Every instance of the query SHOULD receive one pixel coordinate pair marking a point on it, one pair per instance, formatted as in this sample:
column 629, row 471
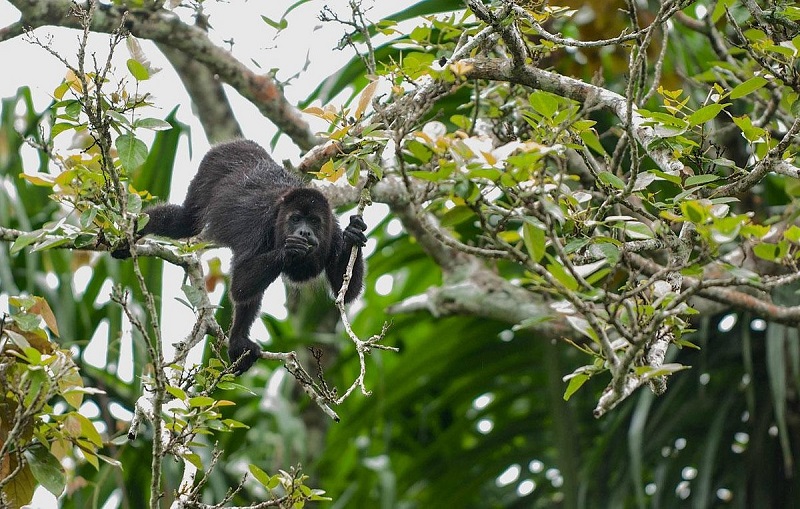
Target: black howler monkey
column 273, row 224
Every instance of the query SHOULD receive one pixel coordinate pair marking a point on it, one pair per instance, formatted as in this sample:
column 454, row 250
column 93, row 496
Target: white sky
column 24, row 63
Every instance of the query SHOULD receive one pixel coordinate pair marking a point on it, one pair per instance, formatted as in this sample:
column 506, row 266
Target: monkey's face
column 304, row 226
column 303, row 232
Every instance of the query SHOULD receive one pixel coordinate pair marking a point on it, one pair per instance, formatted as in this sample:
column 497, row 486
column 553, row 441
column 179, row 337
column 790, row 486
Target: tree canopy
column 582, row 283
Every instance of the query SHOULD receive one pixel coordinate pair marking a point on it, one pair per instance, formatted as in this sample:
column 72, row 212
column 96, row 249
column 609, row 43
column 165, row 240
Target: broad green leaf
column 610, row 179
column 201, row 401
column 748, row 87
column 457, row 215
column 720, row 8
column 562, row 276
column 59, row 128
column 176, row 392
column 535, row 241
column 154, row 124
column 767, row 251
column 543, row 103
column 24, row 240
column 46, row 468
column 696, row 180
column 610, row 251
column 87, row 429
column 575, row 383
column 792, row 234
column 138, row 71
column 19, row 490
column 695, row 212
column 751, row 132
column 262, row 477
column 132, row 151
column 195, row 460
column 589, row 137
column 705, row 114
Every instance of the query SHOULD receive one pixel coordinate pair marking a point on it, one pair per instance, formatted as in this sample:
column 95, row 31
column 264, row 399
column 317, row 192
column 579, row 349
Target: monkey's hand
column 243, row 354
column 296, row 245
column 354, row 232
column 121, row 251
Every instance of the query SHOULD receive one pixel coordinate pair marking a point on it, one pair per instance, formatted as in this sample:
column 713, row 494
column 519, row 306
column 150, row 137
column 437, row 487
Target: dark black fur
column 273, row 224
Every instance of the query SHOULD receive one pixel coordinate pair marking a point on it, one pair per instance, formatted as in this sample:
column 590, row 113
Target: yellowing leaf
column 38, row 179
column 74, row 82
column 460, row 68
column 340, row 133
column 42, row 308
column 316, row 111
column 364, row 100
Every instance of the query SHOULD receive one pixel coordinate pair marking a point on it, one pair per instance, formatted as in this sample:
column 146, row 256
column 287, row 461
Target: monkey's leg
column 241, row 349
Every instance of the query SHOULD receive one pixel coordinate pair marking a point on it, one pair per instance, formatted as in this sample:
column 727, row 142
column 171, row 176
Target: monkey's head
column 304, row 222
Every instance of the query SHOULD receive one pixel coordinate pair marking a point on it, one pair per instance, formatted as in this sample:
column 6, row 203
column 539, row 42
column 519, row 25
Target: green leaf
column 416, row 63
column 748, row 87
column 705, row 114
column 457, row 215
column 720, row 9
column 535, row 241
column 24, row 240
column 696, row 180
column 589, row 137
column 176, row 392
column 72, row 109
column 201, row 401
column 138, row 71
column 134, row 203
column 610, row 252
column 751, row 132
column 154, row 124
column 792, row 234
column 60, row 128
column 194, row 459
column 543, row 103
column 575, row 383
column 767, row 251
column 194, row 295
column 695, row 212
column 87, row 429
column 46, row 468
column 610, row 179
column 419, row 150
column 277, row 25
column 19, row 490
column 132, row 151
column 262, row 477
column 562, row 276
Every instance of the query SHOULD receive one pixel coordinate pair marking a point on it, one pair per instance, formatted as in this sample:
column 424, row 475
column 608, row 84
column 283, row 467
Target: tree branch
column 165, row 28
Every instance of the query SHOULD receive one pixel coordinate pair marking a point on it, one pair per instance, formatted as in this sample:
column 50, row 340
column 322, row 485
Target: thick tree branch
column 167, row 29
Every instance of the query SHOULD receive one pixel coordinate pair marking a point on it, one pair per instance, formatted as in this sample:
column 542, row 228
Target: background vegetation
column 588, row 263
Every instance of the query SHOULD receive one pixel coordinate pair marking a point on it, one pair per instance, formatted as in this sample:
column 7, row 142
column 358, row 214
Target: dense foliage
column 586, row 257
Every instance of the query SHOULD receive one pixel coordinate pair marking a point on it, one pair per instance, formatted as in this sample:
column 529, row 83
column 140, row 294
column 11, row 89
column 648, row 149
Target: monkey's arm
column 353, row 235
column 167, row 220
